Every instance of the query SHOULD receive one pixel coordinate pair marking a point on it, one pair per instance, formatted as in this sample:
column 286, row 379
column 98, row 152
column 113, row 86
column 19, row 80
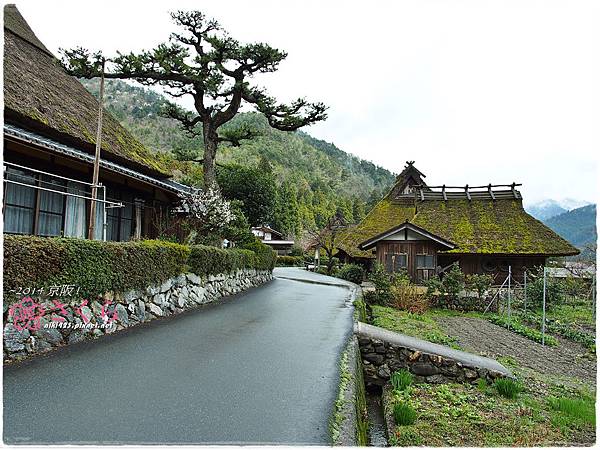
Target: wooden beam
column 467, row 192
column 444, row 193
column 491, row 192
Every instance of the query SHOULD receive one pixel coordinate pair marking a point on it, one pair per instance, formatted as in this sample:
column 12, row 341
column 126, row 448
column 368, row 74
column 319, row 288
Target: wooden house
column 49, row 145
column 273, row 239
column 425, row 229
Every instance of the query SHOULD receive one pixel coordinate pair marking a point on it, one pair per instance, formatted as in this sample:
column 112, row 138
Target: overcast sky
column 473, row 91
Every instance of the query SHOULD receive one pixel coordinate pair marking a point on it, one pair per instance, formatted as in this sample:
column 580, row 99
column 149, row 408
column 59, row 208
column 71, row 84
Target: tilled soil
column 483, row 337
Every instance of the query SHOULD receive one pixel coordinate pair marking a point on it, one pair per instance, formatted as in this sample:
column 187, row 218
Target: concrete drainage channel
column 371, row 356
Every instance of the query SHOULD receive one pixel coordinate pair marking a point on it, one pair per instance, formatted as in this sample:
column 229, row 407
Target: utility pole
column 92, row 224
column 509, row 277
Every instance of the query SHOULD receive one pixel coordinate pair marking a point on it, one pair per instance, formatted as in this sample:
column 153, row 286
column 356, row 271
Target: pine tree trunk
column 210, row 151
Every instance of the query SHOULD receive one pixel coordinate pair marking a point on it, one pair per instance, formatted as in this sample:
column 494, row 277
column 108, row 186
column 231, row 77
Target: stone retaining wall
column 76, row 321
column 381, row 359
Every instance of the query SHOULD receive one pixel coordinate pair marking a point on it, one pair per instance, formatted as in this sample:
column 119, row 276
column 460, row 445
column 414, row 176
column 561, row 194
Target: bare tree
column 326, row 238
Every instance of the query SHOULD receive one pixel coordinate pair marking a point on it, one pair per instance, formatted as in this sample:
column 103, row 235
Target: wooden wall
column 411, row 248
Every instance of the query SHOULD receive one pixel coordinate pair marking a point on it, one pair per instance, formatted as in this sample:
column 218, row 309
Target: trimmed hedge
column 94, row 266
column 290, row 261
column 97, row 267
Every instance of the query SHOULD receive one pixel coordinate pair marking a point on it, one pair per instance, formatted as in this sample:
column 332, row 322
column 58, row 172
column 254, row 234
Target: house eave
column 22, row 136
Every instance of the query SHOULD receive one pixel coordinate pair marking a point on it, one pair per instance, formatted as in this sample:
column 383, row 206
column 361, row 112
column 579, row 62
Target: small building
column 425, row 229
column 49, row 145
column 274, row 239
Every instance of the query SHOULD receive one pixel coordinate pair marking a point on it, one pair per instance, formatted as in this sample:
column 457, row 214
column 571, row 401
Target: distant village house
column 274, row 239
column 423, row 230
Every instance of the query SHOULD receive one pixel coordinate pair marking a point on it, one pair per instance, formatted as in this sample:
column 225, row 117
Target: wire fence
column 538, row 292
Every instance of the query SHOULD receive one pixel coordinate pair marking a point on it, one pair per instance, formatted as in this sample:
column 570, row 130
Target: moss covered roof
column 477, row 226
column 40, row 95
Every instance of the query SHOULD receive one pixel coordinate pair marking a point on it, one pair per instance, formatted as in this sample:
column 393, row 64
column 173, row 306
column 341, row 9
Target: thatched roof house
column 49, row 143
column 424, row 229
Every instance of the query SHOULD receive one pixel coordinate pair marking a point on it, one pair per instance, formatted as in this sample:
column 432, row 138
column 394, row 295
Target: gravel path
column 485, row 338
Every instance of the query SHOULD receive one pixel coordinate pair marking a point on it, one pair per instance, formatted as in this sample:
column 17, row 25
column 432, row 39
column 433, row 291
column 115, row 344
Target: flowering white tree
column 209, row 211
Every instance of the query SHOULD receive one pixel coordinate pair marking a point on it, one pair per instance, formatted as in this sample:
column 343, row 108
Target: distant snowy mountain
column 546, row 209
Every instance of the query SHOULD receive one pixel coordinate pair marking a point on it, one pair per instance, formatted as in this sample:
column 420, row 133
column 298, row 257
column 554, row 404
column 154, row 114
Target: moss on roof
column 476, row 226
column 39, row 94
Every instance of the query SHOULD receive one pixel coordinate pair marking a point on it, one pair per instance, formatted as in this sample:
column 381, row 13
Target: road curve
column 258, row 368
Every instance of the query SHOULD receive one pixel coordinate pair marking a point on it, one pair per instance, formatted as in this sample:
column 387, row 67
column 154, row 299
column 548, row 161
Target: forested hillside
column 314, row 178
column 577, row 226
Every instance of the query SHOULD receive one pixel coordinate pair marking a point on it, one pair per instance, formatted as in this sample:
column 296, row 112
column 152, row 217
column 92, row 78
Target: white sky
column 473, row 91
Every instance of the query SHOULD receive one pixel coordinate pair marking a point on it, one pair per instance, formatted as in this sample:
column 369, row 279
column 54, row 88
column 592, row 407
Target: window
column 120, row 220
column 425, row 262
column 396, row 262
column 51, row 207
column 20, row 202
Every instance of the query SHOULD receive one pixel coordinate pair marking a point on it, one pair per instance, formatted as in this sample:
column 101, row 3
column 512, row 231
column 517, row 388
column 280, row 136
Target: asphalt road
column 258, row 368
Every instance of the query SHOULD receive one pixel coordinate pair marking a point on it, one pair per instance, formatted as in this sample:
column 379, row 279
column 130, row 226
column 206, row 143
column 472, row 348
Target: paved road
column 261, row 367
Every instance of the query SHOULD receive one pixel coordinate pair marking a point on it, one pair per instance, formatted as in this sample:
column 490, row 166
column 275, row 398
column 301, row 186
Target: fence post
column 544, row 309
column 525, row 291
column 509, row 276
column 594, row 296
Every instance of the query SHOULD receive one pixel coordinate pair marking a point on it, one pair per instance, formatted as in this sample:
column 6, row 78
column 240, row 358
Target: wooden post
column 525, row 290
column 509, row 276
column 92, row 224
column 544, row 309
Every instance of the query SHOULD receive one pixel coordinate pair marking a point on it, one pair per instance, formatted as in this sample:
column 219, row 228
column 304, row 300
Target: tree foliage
column 204, row 62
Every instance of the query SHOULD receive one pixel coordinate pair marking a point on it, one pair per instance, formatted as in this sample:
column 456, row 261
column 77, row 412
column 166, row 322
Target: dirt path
column 485, row 338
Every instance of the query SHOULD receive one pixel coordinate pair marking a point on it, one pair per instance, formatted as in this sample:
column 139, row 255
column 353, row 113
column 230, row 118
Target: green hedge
column 97, row 267
column 289, row 261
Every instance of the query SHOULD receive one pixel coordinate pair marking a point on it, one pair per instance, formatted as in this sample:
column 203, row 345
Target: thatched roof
column 480, row 225
column 41, row 96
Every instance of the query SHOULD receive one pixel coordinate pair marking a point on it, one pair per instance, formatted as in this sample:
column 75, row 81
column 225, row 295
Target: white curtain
column 20, row 202
column 75, row 223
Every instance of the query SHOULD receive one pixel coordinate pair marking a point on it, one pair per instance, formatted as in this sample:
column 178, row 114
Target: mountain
column 323, row 178
column 548, row 208
column 577, row 226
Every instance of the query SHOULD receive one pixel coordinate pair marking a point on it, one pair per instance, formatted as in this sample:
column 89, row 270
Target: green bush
column 289, row 261
column 265, row 255
column 383, row 285
column 404, row 414
column 401, row 379
column 205, row 260
column 95, row 267
column 507, row 387
column 351, row 272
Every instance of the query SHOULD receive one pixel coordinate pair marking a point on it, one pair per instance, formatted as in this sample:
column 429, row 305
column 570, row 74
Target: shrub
column 95, row 267
column 453, row 282
column 401, row 379
column 265, row 255
column 296, row 250
column 289, row 261
column 404, row 414
column 507, row 387
column 555, row 289
column 481, row 283
column 351, row 272
column 383, row 284
column 406, row 295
